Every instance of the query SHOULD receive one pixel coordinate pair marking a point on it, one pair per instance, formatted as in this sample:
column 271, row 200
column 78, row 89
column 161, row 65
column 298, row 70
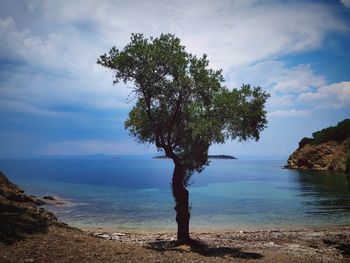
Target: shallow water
column 134, row 193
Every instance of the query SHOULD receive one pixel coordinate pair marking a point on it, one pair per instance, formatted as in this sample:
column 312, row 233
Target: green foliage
column 182, row 106
column 337, row 133
column 305, row 141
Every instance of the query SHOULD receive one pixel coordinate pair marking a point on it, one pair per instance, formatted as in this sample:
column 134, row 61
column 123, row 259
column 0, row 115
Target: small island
column 221, row 156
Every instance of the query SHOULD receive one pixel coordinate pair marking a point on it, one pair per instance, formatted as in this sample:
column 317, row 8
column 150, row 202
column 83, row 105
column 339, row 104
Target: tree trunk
column 180, row 194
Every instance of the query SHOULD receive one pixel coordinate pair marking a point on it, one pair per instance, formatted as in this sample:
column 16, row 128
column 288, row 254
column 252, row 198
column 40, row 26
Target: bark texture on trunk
column 180, row 194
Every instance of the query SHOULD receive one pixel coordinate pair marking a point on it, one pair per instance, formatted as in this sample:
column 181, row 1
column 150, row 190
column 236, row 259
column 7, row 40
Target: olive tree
column 183, row 107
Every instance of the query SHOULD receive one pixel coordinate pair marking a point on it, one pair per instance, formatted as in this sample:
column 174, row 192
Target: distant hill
column 228, row 157
column 328, row 149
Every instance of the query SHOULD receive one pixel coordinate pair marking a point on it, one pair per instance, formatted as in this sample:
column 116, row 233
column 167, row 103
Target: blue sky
column 55, row 99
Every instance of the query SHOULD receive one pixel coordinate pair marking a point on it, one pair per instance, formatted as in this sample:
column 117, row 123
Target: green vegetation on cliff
column 337, row 133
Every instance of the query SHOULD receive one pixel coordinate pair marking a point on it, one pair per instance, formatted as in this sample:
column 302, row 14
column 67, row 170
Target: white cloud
column 289, row 113
column 232, row 33
column 282, row 82
column 298, row 79
column 278, row 77
column 336, row 95
column 23, row 45
column 86, row 147
column 29, row 90
column 49, row 72
column 280, row 101
column 292, row 88
column 346, row 3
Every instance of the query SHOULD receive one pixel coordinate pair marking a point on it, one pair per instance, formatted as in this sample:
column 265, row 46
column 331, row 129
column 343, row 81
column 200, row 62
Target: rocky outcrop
column 329, row 155
column 20, row 214
column 12, row 192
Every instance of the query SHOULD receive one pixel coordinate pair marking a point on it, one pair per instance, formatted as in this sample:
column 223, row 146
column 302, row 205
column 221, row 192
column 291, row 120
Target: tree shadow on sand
column 203, row 249
column 17, row 222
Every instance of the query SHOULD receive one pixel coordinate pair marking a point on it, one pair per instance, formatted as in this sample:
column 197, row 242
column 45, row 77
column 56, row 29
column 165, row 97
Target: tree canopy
column 182, row 106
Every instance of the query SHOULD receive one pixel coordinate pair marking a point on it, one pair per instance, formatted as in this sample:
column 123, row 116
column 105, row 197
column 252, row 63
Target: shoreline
column 198, row 232
column 129, row 234
column 62, row 203
column 210, row 228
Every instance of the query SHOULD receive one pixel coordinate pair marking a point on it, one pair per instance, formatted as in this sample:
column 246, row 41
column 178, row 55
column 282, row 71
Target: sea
column 134, row 193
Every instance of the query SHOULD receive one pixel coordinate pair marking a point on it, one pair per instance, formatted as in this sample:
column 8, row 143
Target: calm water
column 135, row 193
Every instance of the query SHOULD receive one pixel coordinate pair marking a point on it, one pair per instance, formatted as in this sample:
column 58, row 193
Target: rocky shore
column 29, row 233
column 321, row 245
column 61, row 244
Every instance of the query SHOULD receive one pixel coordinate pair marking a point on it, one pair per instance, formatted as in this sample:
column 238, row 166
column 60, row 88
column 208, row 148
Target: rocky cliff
column 329, row 155
column 328, row 149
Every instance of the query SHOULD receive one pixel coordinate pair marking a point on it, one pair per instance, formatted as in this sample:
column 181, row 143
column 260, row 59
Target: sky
column 55, row 99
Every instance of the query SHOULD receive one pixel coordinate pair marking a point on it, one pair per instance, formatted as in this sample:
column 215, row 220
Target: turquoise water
column 135, row 193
